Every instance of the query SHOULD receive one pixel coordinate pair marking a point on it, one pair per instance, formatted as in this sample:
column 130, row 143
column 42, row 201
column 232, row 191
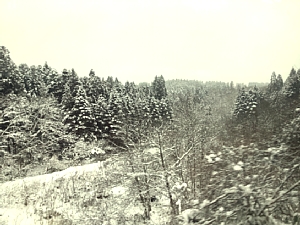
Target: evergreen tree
column 70, row 90
column 279, row 82
column 34, row 83
column 273, row 83
column 130, row 117
column 109, row 117
column 292, row 85
column 109, row 83
column 231, row 85
column 92, row 73
column 276, row 83
column 67, row 99
column 11, row 80
column 115, row 117
column 73, row 82
column 53, row 82
column 95, row 87
column 80, row 119
column 101, row 117
column 246, row 103
column 249, row 110
column 25, row 71
column 46, row 71
column 158, row 88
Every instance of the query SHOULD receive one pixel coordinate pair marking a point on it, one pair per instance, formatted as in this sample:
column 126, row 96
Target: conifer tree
column 80, row 119
column 11, row 80
column 92, row 73
column 158, row 88
column 73, row 82
column 279, row 82
column 68, row 99
column 70, row 89
column 160, row 110
column 53, row 83
column 109, row 83
column 276, row 83
column 273, row 83
column 292, row 85
column 101, row 117
column 46, row 71
column 95, row 87
column 247, row 103
column 115, row 117
column 25, row 71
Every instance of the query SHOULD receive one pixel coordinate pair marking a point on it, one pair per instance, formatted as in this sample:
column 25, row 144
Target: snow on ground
column 12, row 194
column 46, row 178
column 17, row 216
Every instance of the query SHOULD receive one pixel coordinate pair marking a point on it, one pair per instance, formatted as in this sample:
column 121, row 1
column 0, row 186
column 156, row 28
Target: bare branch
column 278, row 198
column 182, row 157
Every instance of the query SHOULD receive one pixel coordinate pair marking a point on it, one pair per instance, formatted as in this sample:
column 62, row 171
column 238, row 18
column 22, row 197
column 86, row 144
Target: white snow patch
column 247, row 189
column 119, row 190
column 204, row 203
column 237, row 168
column 17, row 216
column 240, row 163
column 97, row 151
column 152, row 151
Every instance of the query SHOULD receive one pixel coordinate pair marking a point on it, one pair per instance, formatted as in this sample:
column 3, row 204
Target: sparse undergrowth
column 90, row 194
column 243, row 186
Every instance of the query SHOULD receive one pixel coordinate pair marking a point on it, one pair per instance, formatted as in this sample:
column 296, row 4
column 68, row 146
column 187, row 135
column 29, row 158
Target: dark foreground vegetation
column 225, row 153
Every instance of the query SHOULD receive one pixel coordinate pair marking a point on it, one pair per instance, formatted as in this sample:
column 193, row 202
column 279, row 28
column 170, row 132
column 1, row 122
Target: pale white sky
column 222, row 40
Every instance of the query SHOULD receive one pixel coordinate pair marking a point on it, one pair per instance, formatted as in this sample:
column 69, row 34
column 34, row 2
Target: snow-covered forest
column 186, row 151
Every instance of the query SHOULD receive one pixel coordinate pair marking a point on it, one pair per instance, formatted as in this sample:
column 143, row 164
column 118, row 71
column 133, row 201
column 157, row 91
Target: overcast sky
column 134, row 40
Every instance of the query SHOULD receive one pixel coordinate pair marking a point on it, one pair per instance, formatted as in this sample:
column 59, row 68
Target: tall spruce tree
column 80, row 119
column 114, row 110
column 292, row 85
column 279, row 82
column 158, row 88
